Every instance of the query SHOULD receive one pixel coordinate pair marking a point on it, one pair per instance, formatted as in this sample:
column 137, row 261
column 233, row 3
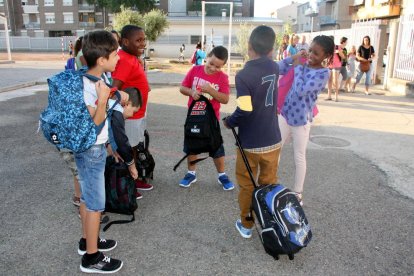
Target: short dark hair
column 128, row 30
column 343, row 39
column 98, row 44
column 219, row 52
column 262, row 40
column 327, row 44
column 78, row 46
column 134, row 96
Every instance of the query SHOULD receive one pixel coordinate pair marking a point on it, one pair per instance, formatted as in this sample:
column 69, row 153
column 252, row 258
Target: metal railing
column 404, row 58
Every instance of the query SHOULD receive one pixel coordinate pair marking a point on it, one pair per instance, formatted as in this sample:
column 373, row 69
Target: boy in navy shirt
column 256, row 118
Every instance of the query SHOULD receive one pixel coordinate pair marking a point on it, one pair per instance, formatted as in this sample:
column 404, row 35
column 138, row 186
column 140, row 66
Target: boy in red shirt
column 129, row 72
column 214, row 84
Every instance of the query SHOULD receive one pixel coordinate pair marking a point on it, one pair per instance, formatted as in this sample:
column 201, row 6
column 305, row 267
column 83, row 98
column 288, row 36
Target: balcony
column 32, row 26
column 311, row 12
column 326, row 20
column 87, row 24
column 30, row 8
column 358, row 2
column 329, row 1
column 86, row 8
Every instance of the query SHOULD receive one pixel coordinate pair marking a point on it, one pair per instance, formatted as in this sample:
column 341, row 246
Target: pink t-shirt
column 336, row 61
column 197, row 77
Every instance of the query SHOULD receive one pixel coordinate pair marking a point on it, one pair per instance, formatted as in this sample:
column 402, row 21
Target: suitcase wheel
column 291, row 256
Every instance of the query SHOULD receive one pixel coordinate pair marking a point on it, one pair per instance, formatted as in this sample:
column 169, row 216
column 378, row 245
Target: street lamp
column 6, row 29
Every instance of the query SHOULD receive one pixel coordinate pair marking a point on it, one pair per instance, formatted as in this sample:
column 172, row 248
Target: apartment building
column 244, row 8
column 323, row 15
column 52, row 18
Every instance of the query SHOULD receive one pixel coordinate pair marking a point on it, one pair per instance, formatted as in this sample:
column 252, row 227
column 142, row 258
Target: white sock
column 192, row 172
column 220, row 174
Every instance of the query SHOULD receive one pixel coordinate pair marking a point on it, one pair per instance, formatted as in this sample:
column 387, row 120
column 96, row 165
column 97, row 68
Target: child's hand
column 103, row 91
column 195, row 95
column 225, row 123
column 300, row 58
column 124, row 97
column 133, row 171
column 207, row 88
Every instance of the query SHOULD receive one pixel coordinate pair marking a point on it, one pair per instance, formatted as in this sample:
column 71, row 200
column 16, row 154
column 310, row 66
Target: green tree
column 127, row 17
column 243, row 39
column 155, row 22
column 142, row 6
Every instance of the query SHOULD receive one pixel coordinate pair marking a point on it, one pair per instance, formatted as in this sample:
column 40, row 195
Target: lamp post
column 6, row 29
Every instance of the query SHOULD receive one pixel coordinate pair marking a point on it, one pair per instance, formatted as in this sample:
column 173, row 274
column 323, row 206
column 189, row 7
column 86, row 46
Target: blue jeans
column 367, row 75
column 91, row 169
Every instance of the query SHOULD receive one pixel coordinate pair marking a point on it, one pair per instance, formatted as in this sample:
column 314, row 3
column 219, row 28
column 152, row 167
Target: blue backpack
column 70, row 64
column 66, row 121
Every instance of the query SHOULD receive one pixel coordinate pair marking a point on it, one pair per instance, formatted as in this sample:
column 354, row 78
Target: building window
column 49, row 18
column 67, row 3
column 1, row 2
column 49, row 3
column 68, row 17
column 156, row 2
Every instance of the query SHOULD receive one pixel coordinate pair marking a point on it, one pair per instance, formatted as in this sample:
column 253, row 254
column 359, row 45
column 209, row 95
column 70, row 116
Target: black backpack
column 201, row 130
column 119, row 191
column 145, row 163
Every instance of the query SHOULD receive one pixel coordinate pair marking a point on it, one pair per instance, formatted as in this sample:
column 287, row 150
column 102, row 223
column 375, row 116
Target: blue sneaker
column 188, row 180
column 225, row 181
column 244, row 232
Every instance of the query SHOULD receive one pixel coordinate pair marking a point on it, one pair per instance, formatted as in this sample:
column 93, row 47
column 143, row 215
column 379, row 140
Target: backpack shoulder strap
column 121, row 221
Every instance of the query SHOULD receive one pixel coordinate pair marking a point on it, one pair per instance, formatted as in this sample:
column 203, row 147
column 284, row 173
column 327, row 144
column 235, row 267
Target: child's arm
column 244, row 104
column 98, row 114
column 189, row 92
column 316, row 82
column 219, row 96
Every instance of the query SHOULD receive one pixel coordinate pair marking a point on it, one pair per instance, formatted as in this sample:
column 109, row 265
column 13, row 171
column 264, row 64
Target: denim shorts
column 219, row 153
column 91, row 169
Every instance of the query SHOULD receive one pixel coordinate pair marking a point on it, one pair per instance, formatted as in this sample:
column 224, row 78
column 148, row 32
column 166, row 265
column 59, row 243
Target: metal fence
column 25, row 43
column 404, row 58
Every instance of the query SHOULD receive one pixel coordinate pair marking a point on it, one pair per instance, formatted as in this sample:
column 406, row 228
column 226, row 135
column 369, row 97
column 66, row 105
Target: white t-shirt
column 90, row 97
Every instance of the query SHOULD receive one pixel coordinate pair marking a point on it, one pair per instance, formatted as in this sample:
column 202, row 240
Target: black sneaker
column 102, row 264
column 103, row 245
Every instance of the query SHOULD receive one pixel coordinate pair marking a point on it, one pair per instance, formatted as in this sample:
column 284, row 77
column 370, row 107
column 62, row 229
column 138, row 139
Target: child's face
column 129, row 110
column 135, row 44
column 316, row 55
column 109, row 64
column 213, row 65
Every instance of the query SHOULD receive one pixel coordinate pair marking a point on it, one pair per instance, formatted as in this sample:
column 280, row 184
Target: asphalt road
column 360, row 225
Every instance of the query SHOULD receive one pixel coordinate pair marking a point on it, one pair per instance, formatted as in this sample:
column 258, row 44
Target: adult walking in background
column 303, row 45
column 282, row 53
column 337, row 68
column 364, row 55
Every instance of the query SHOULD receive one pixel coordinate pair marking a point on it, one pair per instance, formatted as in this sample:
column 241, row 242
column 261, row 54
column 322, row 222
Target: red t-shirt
column 197, row 77
column 130, row 71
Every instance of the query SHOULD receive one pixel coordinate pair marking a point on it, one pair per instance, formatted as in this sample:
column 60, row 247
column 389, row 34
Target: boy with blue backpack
column 100, row 52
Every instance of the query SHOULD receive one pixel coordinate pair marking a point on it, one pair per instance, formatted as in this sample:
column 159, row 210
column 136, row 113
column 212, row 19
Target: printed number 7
column 270, row 89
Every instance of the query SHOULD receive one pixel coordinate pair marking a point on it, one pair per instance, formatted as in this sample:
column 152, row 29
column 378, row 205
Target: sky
column 262, row 8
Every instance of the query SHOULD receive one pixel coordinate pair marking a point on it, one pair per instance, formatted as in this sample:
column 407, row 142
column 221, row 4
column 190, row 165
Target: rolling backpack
column 278, row 216
column 66, row 121
column 119, row 191
column 201, row 130
column 145, row 163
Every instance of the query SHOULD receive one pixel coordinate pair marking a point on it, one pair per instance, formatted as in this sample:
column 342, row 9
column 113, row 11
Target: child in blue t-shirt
column 297, row 112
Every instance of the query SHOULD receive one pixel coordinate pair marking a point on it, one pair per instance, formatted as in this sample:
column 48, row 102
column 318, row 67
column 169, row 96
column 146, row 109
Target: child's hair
column 327, row 45
column 128, row 30
column 343, row 39
column 353, row 50
column 98, row 44
column 198, row 45
column 292, row 38
column 117, row 35
column 262, row 40
column 78, row 46
column 134, row 96
column 219, row 52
